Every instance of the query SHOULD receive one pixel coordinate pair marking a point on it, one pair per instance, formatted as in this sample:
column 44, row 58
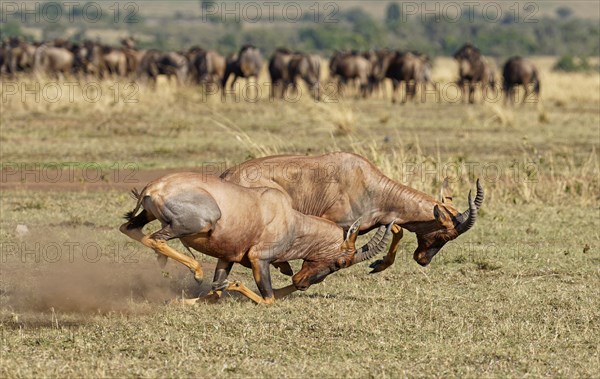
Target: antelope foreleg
column 262, row 277
column 241, row 288
column 389, row 259
column 282, row 292
column 284, row 268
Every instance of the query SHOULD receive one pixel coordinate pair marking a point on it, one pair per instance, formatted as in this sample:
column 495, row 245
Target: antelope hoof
column 180, row 301
column 378, row 266
column 211, row 298
column 216, row 286
column 199, row 277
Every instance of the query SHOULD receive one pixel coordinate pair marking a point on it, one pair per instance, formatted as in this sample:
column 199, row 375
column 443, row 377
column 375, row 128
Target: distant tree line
column 563, row 34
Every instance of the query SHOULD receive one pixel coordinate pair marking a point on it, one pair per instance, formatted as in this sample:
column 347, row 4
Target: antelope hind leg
column 160, row 246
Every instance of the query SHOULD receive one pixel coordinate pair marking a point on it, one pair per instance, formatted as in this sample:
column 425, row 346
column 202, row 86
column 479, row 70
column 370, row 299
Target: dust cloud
column 41, row 277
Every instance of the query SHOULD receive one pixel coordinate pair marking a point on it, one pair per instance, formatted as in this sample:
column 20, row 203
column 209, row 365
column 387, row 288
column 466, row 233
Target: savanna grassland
column 519, row 295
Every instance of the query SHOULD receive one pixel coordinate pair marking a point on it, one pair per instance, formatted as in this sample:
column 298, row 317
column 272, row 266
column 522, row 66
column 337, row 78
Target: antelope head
column 345, row 255
column 450, row 224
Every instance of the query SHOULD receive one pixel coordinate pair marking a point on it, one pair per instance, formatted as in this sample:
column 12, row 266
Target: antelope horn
column 479, row 196
column 464, row 218
column 469, row 217
column 376, row 245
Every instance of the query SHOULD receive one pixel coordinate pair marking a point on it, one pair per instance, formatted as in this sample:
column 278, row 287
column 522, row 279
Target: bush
column 568, row 63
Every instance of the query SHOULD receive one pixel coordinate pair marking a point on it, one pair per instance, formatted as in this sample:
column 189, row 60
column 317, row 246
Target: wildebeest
column 255, row 227
column 171, row 64
column 103, row 61
column 347, row 66
column 115, row 61
column 206, row 66
column 308, row 68
column 3, row 54
column 245, row 64
column 133, row 56
column 473, row 68
column 279, row 71
column 340, row 187
column 377, row 58
column 53, row 61
column 19, row 55
column 520, row 71
column 286, row 68
column 412, row 68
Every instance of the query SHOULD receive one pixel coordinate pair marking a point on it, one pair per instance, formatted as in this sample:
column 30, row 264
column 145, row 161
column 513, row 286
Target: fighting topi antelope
column 255, row 227
column 341, row 187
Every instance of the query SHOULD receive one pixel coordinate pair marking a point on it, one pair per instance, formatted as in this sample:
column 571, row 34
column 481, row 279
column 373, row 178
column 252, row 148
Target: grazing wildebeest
column 20, row 55
column 3, row 55
column 340, row 186
column 53, row 61
column 133, row 56
column 348, row 66
column 155, row 63
column 279, row 71
column 245, row 64
column 412, row 68
column 520, row 71
column 308, row 68
column 287, row 68
column 115, row 62
column 474, row 68
column 101, row 60
column 89, row 56
column 206, row 66
column 378, row 59
column 255, row 227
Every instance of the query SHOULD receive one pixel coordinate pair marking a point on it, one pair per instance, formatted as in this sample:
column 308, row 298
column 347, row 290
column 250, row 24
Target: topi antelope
column 255, row 227
column 340, row 187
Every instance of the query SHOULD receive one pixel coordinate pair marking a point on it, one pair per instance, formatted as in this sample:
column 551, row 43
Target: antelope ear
column 353, row 231
column 350, row 241
column 445, row 192
column 439, row 215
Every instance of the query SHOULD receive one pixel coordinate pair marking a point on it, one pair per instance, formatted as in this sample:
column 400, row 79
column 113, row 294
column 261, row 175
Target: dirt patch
column 96, row 287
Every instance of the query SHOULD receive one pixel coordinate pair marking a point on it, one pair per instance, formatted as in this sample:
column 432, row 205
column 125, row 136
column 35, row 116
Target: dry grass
column 516, row 296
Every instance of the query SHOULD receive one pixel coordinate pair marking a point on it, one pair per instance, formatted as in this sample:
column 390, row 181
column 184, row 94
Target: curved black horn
column 464, row 218
column 480, row 195
column 376, row 245
column 469, row 216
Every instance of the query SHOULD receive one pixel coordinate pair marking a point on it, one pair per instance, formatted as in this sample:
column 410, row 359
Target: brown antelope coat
column 251, row 226
column 342, row 186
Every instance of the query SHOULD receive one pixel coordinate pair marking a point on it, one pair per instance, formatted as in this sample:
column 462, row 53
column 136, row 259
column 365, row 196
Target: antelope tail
column 138, row 196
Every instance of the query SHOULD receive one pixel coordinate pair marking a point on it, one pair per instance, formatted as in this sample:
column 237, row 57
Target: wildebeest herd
column 368, row 71
column 273, row 210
